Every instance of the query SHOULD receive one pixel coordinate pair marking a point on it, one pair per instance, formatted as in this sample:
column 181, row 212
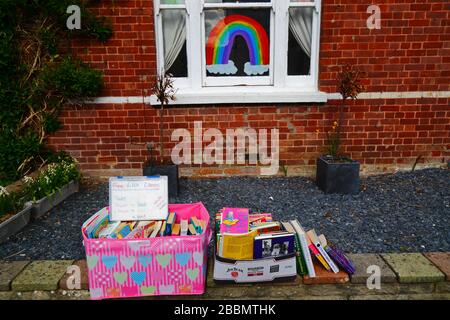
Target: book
column 266, row 227
column 197, row 225
column 304, row 247
column 162, row 231
column 337, row 255
column 273, row 245
column 192, row 230
column 148, row 230
column 95, row 226
column 260, row 217
column 317, row 254
column 137, row 233
column 301, row 264
column 170, row 222
column 203, row 224
column 316, row 242
column 156, row 229
column 176, row 229
column 236, row 246
column 217, row 223
column 123, row 230
column 234, row 221
column 184, row 226
column 109, row 229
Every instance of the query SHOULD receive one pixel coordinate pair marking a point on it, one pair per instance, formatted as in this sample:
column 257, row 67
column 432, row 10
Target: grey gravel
column 403, row 212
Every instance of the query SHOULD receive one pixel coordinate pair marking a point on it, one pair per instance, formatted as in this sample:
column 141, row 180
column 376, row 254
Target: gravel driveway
column 404, row 212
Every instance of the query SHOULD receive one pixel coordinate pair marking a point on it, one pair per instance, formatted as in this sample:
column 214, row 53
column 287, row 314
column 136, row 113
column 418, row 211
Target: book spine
column 340, row 259
column 327, row 258
column 301, row 264
column 319, row 257
column 256, row 252
column 307, row 255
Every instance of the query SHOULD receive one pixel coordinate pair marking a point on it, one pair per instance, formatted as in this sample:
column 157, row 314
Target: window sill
column 261, row 94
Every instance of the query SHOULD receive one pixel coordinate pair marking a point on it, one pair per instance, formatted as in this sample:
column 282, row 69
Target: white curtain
column 300, row 24
column 174, row 33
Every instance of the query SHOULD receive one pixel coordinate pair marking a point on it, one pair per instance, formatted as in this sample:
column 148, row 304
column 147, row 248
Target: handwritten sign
column 138, row 198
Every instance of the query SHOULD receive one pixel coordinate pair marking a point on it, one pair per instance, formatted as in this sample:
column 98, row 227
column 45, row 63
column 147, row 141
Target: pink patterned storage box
column 172, row 265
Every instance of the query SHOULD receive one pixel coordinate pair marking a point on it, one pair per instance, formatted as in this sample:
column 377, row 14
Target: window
column 229, row 51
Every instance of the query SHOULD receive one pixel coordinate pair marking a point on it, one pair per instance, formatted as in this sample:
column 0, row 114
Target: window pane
column 237, row 42
column 300, row 37
column 174, row 36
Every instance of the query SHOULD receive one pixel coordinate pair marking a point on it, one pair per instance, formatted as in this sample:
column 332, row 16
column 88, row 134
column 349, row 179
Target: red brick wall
column 410, row 53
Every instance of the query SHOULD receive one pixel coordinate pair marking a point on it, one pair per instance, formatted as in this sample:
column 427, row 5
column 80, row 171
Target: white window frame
column 211, row 81
column 197, row 88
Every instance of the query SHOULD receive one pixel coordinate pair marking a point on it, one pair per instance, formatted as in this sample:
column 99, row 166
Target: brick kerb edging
column 403, row 276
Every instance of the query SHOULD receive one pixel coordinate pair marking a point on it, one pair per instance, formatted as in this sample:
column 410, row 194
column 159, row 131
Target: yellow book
column 176, row 229
column 237, row 246
column 317, row 254
column 191, row 229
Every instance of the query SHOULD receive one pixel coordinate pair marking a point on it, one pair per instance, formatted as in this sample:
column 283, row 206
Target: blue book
column 171, row 218
column 273, row 245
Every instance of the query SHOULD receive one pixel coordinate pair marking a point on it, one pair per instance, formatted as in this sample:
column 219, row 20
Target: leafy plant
column 164, row 91
column 50, row 180
column 334, row 140
column 349, row 86
column 9, row 203
column 38, row 76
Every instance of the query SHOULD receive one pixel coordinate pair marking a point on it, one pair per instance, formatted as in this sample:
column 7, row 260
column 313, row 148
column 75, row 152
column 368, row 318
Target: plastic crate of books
column 168, row 265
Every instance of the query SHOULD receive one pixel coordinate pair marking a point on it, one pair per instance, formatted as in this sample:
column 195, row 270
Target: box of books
column 163, row 255
column 252, row 248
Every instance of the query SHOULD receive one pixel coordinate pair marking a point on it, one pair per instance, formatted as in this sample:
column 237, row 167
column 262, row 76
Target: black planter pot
column 337, row 176
column 171, row 171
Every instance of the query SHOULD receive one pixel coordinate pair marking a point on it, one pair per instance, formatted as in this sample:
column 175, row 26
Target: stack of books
column 104, row 228
column 244, row 236
column 309, row 244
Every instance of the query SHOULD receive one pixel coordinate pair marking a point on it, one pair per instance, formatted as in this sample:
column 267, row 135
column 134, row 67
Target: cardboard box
column 275, row 269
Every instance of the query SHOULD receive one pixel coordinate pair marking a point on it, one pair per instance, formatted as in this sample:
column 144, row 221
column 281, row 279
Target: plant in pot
column 336, row 173
column 163, row 89
column 13, row 215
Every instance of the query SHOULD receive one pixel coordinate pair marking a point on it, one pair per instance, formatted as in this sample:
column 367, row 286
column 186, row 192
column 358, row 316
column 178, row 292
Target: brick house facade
column 404, row 112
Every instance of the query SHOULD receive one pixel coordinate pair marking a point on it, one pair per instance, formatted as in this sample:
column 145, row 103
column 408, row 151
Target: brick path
column 403, row 276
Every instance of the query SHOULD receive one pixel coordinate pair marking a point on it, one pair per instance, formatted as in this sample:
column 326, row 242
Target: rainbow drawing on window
column 220, row 43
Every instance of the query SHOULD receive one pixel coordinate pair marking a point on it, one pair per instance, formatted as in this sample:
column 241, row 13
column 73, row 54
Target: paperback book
column 234, row 220
column 273, row 245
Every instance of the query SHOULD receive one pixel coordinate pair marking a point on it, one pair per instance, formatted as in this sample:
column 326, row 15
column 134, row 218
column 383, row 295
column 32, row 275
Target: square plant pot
column 171, row 171
column 340, row 176
column 14, row 224
column 44, row 205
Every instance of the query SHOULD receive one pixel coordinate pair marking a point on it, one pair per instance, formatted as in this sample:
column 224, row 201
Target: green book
column 301, row 264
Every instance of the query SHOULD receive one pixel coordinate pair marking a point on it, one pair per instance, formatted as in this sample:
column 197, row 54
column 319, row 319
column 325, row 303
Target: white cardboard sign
column 138, row 198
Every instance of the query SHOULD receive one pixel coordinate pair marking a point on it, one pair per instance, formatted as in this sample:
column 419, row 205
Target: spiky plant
column 164, row 90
